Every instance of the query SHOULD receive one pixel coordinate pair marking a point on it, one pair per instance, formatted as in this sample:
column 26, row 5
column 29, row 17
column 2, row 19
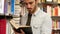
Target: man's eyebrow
column 30, row 2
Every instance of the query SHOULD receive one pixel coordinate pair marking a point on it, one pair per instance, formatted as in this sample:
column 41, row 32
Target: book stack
column 17, row 10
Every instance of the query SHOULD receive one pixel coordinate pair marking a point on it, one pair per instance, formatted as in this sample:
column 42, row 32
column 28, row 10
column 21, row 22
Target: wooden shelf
column 56, row 30
column 56, row 17
column 50, row 3
column 5, row 16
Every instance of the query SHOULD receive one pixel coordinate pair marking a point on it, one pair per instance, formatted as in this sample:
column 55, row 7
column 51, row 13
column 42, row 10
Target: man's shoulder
column 44, row 14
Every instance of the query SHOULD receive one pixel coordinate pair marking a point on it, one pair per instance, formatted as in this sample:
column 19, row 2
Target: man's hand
column 22, row 32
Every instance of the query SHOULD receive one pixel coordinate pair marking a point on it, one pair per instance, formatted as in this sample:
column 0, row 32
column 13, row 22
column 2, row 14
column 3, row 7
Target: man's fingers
column 22, row 31
column 16, row 32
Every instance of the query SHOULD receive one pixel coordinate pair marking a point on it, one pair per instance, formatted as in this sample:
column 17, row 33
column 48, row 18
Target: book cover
column 5, row 6
column 12, row 6
column 59, row 24
column 9, row 8
column 48, row 0
column 17, row 1
column 58, row 10
column 17, row 10
column 58, row 1
column 2, row 26
column 55, row 11
column 16, row 27
column 39, row 1
column 49, row 10
column 55, row 25
column 55, row 1
column 43, row 1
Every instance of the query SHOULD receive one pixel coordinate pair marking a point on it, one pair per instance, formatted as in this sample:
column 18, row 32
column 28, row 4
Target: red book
column 2, row 26
column 56, row 11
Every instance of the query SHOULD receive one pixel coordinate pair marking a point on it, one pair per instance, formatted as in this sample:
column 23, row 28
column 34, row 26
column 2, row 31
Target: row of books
column 12, row 7
column 56, row 24
column 54, row 1
column 52, row 11
column 55, row 33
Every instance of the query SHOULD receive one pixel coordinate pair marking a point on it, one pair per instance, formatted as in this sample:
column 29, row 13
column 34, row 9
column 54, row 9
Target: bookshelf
column 44, row 3
column 52, row 7
column 55, row 17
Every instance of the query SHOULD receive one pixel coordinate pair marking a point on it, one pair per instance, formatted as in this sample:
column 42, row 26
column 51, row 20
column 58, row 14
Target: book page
column 12, row 22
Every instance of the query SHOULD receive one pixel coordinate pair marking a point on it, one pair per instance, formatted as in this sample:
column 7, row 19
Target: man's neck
column 34, row 10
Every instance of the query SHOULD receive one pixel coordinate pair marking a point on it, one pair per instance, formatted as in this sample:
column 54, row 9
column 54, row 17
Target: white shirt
column 41, row 22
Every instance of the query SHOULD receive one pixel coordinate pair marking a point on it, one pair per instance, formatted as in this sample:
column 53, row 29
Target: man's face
column 30, row 5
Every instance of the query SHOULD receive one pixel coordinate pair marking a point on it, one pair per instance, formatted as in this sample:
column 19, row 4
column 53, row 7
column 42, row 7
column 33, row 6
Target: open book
column 16, row 27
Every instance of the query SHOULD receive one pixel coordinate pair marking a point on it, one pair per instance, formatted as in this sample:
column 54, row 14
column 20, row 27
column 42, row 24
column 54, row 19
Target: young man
column 41, row 22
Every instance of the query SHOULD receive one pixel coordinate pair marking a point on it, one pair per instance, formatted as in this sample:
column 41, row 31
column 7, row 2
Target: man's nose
column 28, row 6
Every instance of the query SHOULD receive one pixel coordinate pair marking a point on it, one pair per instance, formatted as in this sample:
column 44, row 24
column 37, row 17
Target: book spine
column 5, row 6
column 12, row 6
column 58, row 1
column 49, row 10
column 48, row 0
column 2, row 26
column 59, row 11
column 56, row 11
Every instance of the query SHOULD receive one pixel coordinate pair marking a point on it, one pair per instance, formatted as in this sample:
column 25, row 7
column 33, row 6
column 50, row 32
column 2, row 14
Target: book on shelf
column 17, row 27
column 55, row 1
column 58, row 1
column 43, row 1
column 2, row 26
column 1, row 6
column 17, row 10
column 39, row 1
column 8, row 9
column 5, row 7
column 17, row 1
column 49, row 10
column 53, row 11
column 12, row 6
column 48, row 0
column 58, row 10
column 54, row 24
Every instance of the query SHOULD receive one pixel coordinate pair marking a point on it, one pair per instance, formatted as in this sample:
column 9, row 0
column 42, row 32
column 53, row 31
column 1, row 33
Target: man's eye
column 30, row 2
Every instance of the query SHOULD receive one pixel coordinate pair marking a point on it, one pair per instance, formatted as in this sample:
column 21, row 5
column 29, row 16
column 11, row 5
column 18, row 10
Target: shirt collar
column 37, row 11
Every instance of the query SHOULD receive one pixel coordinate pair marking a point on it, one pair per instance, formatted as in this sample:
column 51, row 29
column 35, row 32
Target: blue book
column 12, row 6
